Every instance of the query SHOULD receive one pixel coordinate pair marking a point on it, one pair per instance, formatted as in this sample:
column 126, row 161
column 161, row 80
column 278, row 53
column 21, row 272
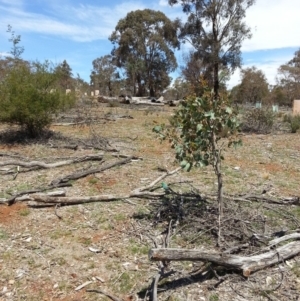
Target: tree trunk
column 152, row 93
column 217, row 169
column 247, row 265
column 216, row 79
column 140, row 86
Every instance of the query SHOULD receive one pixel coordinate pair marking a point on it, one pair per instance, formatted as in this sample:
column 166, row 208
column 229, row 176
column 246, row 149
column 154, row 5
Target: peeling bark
column 247, row 265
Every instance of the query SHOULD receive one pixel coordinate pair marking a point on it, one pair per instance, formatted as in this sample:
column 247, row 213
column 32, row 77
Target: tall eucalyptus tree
column 216, row 30
column 144, row 43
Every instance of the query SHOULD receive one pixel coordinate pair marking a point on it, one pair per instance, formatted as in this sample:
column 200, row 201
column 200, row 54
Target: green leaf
column 157, row 129
column 228, row 110
column 164, row 186
column 188, row 167
column 178, row 149
column 199, row 127
column 210, row 114
column 183, row 163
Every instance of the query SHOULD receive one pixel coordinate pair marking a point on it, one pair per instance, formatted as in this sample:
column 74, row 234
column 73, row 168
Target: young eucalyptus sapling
column 197, row 130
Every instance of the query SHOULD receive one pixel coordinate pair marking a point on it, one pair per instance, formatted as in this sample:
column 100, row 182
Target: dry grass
column 46, row 258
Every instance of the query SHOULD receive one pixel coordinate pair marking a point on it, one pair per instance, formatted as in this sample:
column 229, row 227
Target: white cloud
column 83, row 23
column 163, row 3
column 4, row 54
column 269, row 68
column 275, row 24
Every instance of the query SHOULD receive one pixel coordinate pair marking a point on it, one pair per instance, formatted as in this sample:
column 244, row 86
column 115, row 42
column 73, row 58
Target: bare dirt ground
column 58, row 253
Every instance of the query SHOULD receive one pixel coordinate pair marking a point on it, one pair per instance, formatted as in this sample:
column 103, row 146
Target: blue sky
column 78, row 30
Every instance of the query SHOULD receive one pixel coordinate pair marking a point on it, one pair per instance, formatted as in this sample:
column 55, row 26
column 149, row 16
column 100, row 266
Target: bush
column 29, row 96
column 258, row 121
column 295, row 123
column 287, row 118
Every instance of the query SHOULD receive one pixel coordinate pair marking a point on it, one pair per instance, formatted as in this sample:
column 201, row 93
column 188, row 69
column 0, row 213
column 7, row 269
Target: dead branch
column 124, row 156
column 158, row 180
column 26, row 197
column 63, row 182
column 247, row 265
column 12, row 155
column 103, row 293
column 44, row 165
column 55, row 211
column 72, row 147
column 82, row 174
column 42, row 200
column 154, row 286
column 284, row 238
column 64, row 201
column 12, row 200
column 265, row 198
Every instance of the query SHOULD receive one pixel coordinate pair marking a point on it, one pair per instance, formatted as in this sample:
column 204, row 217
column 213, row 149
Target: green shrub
column 29, row 96
column 287, row 118
column 295, row 123
column 258, row 121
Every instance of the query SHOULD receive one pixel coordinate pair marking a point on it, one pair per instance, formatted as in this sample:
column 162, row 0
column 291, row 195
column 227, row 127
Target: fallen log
column 64, row 182
column 82, row 174
column 12, row 200
column 75, row 200
column 26, row 197
column 148, row 103
column 39, row 200
column 44, row 165
column 266, row 199
column 247, row 265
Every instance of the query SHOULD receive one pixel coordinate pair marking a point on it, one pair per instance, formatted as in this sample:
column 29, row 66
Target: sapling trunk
column 217, row 169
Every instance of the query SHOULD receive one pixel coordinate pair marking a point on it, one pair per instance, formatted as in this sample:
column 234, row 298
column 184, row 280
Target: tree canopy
column 143, row 45
column 289, row 77
column 104, row 74
column 30, row 92
column 253, row 88
column 64, row 71
column 216, row 30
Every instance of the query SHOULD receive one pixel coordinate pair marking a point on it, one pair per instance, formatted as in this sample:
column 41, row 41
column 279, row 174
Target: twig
column 158, row 179
column 17, row 172
column 57, row 205
column 154, row 286
column 118, row 278
column 78, row 288
column 103, row 293
column 208, row 230
column 166, row 244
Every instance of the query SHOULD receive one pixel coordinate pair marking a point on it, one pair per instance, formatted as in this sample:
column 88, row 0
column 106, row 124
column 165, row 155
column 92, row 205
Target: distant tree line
column 254, row 86
column 143, row 57
column 141, row 61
